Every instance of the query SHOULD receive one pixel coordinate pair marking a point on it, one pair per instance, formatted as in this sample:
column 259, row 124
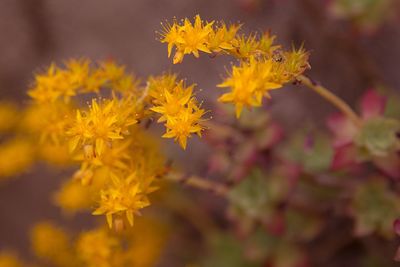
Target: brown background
column 35, row 32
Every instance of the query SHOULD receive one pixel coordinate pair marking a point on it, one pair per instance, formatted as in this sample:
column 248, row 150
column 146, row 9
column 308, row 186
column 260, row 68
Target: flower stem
column 332, row 98
column 199, row 183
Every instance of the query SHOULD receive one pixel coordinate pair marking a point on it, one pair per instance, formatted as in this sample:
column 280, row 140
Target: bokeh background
column 346, row 57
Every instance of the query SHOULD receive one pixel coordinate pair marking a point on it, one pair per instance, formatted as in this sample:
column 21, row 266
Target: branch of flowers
column 332, row 98
column 199, row 183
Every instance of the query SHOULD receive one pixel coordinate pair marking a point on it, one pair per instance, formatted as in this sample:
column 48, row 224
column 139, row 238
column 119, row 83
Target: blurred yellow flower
column 97, row 248
column 17, row 156
column 9, row 259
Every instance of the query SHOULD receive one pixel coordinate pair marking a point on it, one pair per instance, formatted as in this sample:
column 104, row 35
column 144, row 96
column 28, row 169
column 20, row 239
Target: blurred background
column 354, row 45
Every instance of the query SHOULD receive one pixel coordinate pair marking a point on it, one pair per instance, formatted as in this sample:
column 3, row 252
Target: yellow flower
column 51, row 243
column 178, row 107
column 158, row 84
column 223, row 38
column 18, row 156
column 253, row 45
column 174, row 102
column 9, row 116
column 146, row 242
column 97, row 248
column 186, row 122
column 55, row 154
column 78, row 71
column 291, row 64
column 73, row 196
column 188, row 38
column 172, row 35
column 125, row 195
column 111, row 71
column 249, row 82
column 101, row 124
column 52, row 85
column 48, row 121
column 9, row 259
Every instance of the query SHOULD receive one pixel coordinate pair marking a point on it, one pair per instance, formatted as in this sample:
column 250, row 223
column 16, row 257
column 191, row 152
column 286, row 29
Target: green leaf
column 375, row 208
column 226, row 251
column 250, row 197
column 314, row 158
column 378, row 136
column 302, row 226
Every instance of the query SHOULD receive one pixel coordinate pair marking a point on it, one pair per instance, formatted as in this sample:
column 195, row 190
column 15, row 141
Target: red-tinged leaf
column 397, row 256
column 270, row 136
column 343, row 129
column 396, row 226
column 389, row 165
column 277, row 225
column 372, row 104
column 344, row 157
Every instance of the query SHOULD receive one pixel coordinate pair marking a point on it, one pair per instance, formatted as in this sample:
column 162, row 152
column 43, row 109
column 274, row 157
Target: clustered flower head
column 264, row 66
column 107, row 136
column 178, row 107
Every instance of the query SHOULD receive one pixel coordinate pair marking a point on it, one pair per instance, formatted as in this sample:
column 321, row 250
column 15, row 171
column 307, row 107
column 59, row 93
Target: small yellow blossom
column 111, row 71
column 178, row 108
column 9, row 116
column 125, row 195
column 9, row 259
column 188, row 38
column 48, row 121
column 253, row 45
column 78, row 71
column 73, row 196
column 17, row 156
column 174, row 102
column 223, row 38
column 101, row 124
column 182, row 126
column 51, row 243
column 146, row 242
column 158, row 84
column 97, row 248
column 249, row 83
column 52, row 85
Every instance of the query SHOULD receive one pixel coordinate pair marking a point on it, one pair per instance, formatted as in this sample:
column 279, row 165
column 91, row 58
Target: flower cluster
column 178, row 107
column 54, row 246
column 78, row 76
column 118, row 159
column 264, row 66
column 211, row 37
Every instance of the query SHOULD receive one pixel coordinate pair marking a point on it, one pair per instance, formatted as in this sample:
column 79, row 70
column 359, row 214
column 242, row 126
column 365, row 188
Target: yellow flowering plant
column 94, row 118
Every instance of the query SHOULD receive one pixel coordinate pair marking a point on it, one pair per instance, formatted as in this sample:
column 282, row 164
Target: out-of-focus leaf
column 375, row 208
column 302, row 225
column 367, row 14
column 257, row 196
column 378, row 136
column 250, row 197
column 313, row 151
column 261, row 245
column 226, row 251
column 289, row 255
column 279, row 251
column 392, row 109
